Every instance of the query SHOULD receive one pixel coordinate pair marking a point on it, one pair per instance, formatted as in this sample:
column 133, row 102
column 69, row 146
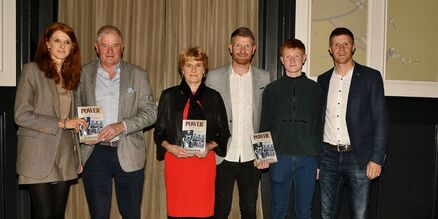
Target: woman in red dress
column 190, row 176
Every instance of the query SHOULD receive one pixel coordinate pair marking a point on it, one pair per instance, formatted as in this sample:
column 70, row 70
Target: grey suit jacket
column 137, row 109
column 37, row 114
column 219, row 79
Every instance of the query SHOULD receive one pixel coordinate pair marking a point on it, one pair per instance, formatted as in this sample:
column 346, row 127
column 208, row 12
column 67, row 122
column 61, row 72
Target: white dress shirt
column 240, row 148
column 335, row 126
column 107, row 95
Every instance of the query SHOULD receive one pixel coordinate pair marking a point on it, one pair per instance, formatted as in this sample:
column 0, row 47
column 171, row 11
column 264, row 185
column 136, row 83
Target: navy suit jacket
column 367, row 115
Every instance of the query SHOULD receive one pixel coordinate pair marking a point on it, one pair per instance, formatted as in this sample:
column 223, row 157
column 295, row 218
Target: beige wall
column 7, row 43
column 412, row 40
column 412, row 36
column 328, row 15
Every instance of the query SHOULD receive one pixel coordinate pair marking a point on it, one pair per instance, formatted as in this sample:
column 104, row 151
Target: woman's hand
column 201, row 154
column 208, row 147
column 74, row 123
column 176, row 150
column 80, row 169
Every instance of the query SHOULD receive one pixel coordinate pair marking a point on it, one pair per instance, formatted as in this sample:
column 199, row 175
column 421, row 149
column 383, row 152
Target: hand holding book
column 72, row 124
column 111, row 131
column 176, row 150
column 261, row 164
column 200, row 154
column 264, row 151
column 208, row 147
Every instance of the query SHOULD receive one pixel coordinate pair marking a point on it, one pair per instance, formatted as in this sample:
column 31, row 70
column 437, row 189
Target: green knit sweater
column 291, row 110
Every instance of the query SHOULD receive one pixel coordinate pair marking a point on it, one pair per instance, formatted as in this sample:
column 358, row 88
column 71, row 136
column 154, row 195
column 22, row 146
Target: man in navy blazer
column 355, row 128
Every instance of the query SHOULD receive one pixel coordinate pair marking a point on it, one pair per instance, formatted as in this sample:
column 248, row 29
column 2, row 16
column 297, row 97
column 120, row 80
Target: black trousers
column 49, row 200
column 247, row 177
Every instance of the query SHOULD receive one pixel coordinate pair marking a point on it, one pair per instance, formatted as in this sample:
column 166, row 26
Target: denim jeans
column 99, row 171
column 299, row 170
column 337, row 169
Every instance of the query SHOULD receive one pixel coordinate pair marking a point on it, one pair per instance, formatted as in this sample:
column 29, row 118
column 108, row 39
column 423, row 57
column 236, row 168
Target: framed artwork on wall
column 398, row 38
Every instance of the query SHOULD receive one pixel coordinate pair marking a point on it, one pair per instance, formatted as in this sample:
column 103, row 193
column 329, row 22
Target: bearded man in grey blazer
column 241, row 87
column 123, row 91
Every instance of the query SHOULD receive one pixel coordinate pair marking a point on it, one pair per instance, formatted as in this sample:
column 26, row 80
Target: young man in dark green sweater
column 291, row 110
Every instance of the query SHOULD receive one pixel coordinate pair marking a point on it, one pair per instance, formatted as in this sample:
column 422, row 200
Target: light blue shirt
column 107, row 95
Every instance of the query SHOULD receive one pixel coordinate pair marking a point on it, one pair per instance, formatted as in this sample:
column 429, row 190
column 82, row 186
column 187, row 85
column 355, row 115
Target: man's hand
column 111, row 131
column 373, row 170
column 317, row 174
column 261, row 164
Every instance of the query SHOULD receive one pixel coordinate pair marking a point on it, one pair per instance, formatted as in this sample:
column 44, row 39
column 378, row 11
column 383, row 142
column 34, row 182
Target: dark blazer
column 137, row 109
column 367, row 115
column 170, row 113
column 37, row 114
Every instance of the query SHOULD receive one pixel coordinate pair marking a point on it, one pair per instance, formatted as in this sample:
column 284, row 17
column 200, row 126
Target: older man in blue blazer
column 123, row 91
column 355, row 128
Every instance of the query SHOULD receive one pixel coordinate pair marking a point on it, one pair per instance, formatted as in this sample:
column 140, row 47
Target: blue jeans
column 299, row 170
column 101, row 167
column 337, row 169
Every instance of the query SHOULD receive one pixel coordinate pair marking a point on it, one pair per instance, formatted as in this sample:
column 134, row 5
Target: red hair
column 71, row 67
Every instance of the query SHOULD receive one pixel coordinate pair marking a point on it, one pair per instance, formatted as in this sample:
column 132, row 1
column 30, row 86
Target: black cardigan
column 169, row 120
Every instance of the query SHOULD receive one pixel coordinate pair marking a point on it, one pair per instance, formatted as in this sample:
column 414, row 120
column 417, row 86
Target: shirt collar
column 247, row 74
column 116, row 69
column 347, row 76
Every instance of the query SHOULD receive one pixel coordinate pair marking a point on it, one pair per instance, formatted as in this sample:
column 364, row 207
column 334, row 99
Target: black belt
column 113, row 144
column 339, row 147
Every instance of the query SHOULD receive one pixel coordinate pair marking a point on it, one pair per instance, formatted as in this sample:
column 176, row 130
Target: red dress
column 190, row 184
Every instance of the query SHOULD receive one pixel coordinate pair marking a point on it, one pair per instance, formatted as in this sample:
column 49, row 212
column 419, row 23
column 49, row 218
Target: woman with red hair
column 48, row 151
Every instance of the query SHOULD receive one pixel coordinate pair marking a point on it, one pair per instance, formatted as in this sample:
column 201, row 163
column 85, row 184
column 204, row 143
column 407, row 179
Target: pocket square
column 130, row 90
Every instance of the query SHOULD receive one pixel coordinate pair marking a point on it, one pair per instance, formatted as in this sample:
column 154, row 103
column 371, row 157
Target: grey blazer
column 219, row 79
column 137, row 109
column 37, row 114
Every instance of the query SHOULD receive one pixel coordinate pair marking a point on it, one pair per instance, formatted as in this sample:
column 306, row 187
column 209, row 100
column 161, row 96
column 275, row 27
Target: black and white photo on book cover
column 194, row 135
column 93, row 115
column 263, row 147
